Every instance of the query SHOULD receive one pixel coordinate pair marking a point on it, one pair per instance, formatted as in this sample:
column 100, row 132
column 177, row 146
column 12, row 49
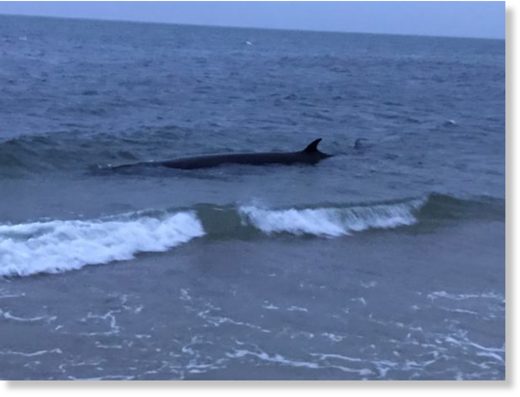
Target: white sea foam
column 61, row 245
column 331, row 222
column 31, row 354
column 458, row 297
column 283, row 361
column 10, row 316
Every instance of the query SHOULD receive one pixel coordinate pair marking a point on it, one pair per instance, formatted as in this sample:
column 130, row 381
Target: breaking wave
column 332, row 222
column 61, row 245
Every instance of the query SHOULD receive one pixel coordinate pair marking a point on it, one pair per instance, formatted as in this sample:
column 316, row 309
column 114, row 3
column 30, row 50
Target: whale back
column 309, row 155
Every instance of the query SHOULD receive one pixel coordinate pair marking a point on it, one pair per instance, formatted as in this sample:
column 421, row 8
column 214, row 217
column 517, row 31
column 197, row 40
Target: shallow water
column 385, row 261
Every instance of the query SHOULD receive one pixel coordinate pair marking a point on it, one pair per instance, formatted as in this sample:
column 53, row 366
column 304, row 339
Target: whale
column 311, row 155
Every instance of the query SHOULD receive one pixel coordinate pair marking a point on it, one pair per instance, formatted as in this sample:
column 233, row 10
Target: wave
column 61, row 245
column 332, row 222
column 29, row 154
column 335, row 220
column 41, row 153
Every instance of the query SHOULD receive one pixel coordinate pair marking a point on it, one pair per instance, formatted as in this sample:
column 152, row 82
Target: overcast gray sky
column 460, row 19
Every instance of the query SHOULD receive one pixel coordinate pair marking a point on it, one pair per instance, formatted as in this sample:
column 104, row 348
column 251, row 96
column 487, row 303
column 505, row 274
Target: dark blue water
column 385, row 261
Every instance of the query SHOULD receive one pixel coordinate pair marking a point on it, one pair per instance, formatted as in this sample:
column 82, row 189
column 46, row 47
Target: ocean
column 383, row 262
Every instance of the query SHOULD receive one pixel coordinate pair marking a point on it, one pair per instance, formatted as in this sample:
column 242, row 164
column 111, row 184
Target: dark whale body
column 309, row 155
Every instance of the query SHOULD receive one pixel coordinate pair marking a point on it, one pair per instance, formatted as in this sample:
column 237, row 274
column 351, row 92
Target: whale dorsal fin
column 313, row 146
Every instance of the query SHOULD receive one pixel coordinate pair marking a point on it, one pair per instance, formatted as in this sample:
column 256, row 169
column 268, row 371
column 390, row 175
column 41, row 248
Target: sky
column 483, row 19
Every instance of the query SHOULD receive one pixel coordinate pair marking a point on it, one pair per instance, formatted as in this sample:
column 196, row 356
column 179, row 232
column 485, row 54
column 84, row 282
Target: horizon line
column 244, row 27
